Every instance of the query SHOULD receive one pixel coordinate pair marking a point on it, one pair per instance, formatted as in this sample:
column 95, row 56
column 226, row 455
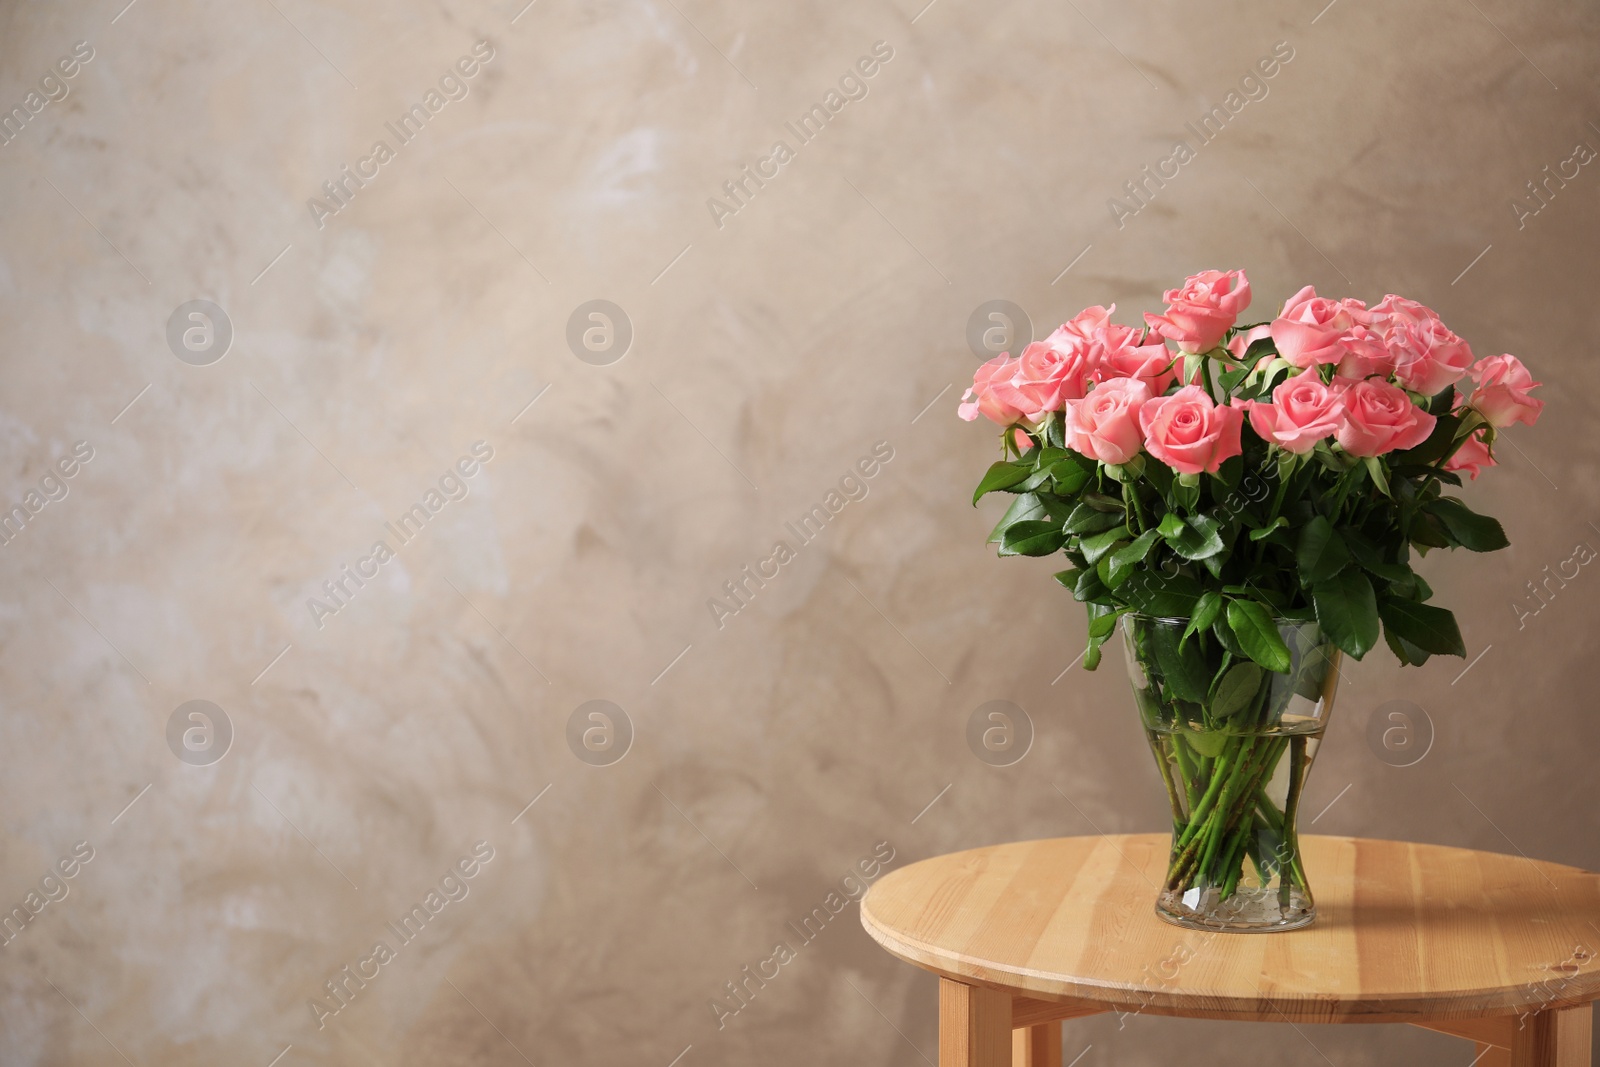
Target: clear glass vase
column 1233, row 742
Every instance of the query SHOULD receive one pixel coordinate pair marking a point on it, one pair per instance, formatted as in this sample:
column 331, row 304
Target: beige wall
column 781, row 748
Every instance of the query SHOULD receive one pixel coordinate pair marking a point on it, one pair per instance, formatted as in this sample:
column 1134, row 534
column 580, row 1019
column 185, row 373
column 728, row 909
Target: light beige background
column 768, row 356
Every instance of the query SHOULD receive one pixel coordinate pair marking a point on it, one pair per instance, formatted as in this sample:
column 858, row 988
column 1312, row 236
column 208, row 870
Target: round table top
column 1403, row 931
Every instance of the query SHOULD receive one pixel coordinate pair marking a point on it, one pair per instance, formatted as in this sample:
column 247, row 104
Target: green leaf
column 1478, row 533
column 1225, row 636
column 1087, row 519
column 1347, row 611
column 1171, row 524
column 1025, row 507
column 1068, row 577
column 1183, row 670
column 1261, row 346
column 1206, row 742
column 1321, row 552
column 1161, row 596
column 1268, row 530
column 1236, row 691
column 1186, row 496
column 1312, row 672
column 1198, row 539
column 1103, row 620
column 1071, row 473
column 1101, row 543
column 1230, row 471
column 1044, row 464
column 1367, row 554
column 1408, row 654
column 1252, row 624
column 1032, row 538
column 1206, row 610
column 1230, row 379
column 1160, row 476
column 1429, row 532
column 1001, row 477
column 1090, row 589
column 1379, row 478
column 1430, row 628
column 1420, row 472
column 1102, row 624
column 1125, row 559
column 1137, row 549
column 1103, row 568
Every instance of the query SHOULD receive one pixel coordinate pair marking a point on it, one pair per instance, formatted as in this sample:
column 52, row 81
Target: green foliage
column 1432, row 629
column 1321, row 553
column 1236, row 689
column 1347, row 611
column 1270, row 536
column 1465, row 527
column 1001, row 476
column 1257, row 634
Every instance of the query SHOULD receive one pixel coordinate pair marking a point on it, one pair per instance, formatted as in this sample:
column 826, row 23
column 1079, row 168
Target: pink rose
column 1027, row 388
column 1057, row 369
column 1126, row 352
column 1188, row 432
column 1307, row 331
column 1380, row 417
column 1105, row 424
column 1199, row 314
column 1082, row 325
column 981, row 398
column 1303, row 412
column 1397, row 309
column 1427, row 356
column 1047, row 375
column 1364, row 354
column 1502, row 393
column 1357, row 310
column 1471, row 456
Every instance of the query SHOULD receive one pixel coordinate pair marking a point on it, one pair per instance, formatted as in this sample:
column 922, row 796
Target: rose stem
column 1291, row 808
column 1166, row 776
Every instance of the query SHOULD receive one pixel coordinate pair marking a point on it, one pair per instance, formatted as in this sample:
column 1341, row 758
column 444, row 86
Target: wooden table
column 1501, row 950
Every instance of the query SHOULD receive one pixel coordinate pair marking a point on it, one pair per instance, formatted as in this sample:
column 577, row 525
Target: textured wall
column 375, row 744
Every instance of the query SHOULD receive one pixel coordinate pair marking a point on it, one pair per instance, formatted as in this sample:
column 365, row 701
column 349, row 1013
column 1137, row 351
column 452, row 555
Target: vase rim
column 1185, row 620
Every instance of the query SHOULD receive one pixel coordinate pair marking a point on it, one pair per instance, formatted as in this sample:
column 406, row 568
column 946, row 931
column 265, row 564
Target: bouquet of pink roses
column 1131, row 458
column 1243, row 480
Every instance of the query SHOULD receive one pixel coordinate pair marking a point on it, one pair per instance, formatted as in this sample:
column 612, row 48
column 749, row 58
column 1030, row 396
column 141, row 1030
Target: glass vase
column 1233, row 742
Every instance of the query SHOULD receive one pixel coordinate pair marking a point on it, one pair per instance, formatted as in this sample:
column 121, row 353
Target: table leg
column 1553, row 1038
column 1036, row 1046
column 974, row 1026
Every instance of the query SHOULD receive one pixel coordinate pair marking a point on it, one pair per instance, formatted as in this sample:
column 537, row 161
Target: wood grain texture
column 1404, row 933
column 1036, row 1046
column 974, row 1026
column 1026, row 1011
column 1491, row 1056
column 1553, row 1039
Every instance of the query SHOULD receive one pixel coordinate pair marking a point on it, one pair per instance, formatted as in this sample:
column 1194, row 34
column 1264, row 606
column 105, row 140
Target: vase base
column 1247, row 911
